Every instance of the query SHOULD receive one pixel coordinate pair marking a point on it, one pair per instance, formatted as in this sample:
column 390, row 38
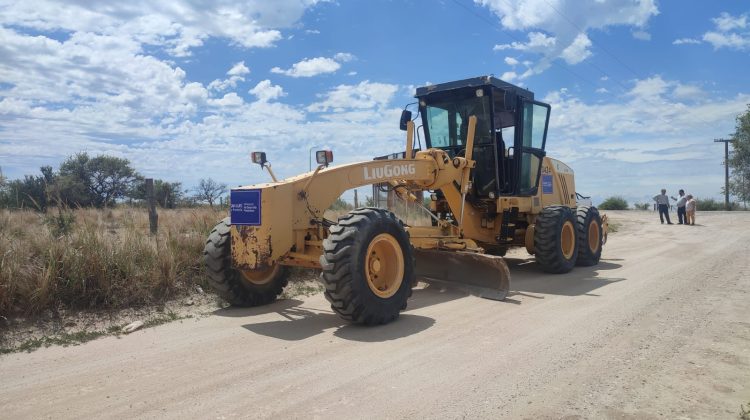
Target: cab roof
column 474, row 82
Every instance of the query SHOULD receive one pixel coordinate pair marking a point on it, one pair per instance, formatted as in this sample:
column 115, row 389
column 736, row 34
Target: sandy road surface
column 660, row 329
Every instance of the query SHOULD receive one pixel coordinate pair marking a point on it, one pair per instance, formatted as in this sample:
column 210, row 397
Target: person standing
column 690, row 208
column 680, row 203
column 662, row 202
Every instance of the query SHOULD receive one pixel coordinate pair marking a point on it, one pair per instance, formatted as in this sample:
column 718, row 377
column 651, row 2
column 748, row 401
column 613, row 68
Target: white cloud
column 230, row 99
column 578, row 50
column 310, row 67
column 726, row 22
column 344, row 57
column 538, row 42
column 511, row 61
column 727, row 40
column 682, row 41
column 509, row 76
column 565, row 24
column 649, row 139
column 602, row 90
column 642, row 35
column 265, row 91
column 178, row 26
column 236, row 74
column 239, row 69
column 365, row 95
column 690, row 92
column 729, row 32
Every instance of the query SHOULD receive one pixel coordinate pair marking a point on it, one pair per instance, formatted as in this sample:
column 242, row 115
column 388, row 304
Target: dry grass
column 91, row 258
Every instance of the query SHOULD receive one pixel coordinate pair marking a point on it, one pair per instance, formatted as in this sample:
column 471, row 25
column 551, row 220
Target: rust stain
column 255, row 252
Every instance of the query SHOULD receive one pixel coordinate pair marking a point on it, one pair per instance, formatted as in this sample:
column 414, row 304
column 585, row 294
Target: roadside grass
column 102, row 259
column 613, row 226
column 66, row 339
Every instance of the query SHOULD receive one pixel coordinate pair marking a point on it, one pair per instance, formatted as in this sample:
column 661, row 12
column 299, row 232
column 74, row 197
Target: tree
column 98, row 181
column 209, row 191
column 29, row 192
column 110, row 178
column 73, row 184
column 167, row 194
column 614, row 203
column 739, row 161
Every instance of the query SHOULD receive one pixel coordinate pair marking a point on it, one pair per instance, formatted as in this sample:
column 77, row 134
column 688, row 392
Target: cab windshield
column 447, row 120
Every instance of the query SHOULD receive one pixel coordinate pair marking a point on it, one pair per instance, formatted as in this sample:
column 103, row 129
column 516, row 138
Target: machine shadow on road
column 240, row 312
column 302, row 322
column 527, row 277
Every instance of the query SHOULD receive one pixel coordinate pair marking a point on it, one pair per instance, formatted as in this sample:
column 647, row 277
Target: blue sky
column 185, row 90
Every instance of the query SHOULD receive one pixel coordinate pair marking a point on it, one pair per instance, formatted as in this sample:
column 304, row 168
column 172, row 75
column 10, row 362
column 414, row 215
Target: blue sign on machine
column 546, row 183
column 245, row 208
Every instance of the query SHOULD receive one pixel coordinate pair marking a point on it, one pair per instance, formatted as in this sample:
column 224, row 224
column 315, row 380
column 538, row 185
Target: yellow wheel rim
column 384, row 265
column 568, row 240
column 594, row 236
column 260, row 277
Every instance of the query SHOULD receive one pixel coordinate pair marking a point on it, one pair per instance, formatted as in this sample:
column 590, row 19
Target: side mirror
column 324, row 157
column 259, row 158
column 405, row 118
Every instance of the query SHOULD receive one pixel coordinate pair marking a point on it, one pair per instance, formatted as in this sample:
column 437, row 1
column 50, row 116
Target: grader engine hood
column 261, row 232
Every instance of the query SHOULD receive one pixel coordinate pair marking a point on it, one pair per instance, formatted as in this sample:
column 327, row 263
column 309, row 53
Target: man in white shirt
column 681, row 215
column 662, row 201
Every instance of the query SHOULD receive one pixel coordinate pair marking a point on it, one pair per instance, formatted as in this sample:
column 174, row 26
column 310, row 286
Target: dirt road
column 660, row 329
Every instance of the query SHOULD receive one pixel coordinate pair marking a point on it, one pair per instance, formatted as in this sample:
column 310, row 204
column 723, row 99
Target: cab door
column 530, row 142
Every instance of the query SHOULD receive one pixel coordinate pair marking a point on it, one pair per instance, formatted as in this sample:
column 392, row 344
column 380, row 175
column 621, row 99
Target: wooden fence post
column 356, row 200
column 153, row 218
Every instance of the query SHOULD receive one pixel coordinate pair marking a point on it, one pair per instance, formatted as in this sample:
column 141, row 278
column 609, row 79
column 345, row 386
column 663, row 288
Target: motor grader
column 491, row 186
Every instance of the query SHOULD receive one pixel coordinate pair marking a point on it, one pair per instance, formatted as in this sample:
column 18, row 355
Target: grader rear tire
column 589, row 232
column 240, row 288
column 555, row 245
column 368, row 267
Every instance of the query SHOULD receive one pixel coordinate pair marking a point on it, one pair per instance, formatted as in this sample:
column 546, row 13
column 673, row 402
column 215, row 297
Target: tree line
column 100, row 181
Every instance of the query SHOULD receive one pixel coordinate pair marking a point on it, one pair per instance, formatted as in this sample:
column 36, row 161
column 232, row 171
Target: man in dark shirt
column 680, row 203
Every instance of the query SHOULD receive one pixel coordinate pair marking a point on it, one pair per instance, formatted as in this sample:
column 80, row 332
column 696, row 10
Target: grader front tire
column 555, row 244
column 240, row 288
column 368, row 267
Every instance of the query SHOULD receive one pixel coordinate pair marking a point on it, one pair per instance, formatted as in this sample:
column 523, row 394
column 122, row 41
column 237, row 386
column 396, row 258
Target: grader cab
column 492, row 188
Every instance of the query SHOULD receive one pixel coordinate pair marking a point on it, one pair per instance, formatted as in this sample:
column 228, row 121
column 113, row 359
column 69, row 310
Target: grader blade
column 482, row 275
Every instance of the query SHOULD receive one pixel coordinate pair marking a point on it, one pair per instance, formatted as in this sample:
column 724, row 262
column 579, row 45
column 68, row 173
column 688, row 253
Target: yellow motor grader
column 491, row 186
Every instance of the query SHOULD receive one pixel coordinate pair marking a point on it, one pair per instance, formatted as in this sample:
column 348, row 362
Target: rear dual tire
column 368, row 267
column 589, row 233
column 555, row 244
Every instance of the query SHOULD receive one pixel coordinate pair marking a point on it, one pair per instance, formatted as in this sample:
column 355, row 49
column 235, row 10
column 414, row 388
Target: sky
column 639, row 89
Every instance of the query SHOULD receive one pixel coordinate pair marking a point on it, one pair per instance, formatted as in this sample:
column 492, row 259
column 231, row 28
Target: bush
column 709, row 204
column 642, row 206
column 614, row 203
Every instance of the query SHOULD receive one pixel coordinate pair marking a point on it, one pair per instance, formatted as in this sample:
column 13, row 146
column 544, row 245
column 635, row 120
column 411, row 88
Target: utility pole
column 726, row 170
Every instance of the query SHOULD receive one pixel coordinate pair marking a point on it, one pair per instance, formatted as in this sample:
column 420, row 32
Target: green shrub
column 709, row 204
column 642, row 206
column 614, row 203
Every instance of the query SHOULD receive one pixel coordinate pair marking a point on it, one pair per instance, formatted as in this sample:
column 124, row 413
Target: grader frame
column 282, row 223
